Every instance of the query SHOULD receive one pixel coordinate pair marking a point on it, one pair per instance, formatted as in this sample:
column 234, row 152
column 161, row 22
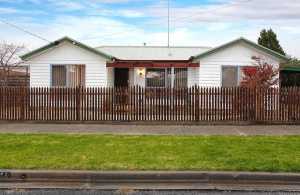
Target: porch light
column 141, row 72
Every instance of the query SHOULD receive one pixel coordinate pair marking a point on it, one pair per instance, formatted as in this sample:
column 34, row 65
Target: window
column 166, row 77
column 59, row 78
column 230, row 76
column 68, row 75
column 180, row 77
column 156, row 78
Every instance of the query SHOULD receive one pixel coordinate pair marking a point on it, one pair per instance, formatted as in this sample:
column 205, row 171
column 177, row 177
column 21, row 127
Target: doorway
column 121, row 77
column 121, row 85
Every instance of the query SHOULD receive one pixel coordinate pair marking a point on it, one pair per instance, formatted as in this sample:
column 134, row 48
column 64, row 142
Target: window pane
column 155, row 78
column 59, row 76
column 230, row 76
column 180, row 77
column 76, row 75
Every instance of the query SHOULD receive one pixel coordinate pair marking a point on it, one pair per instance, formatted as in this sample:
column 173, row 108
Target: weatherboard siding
column 210, row 71
column 193, row 76
column 40, row 75
column 209, row 74
column 68, row 54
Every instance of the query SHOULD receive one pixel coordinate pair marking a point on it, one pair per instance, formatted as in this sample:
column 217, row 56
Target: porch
column 150, row 74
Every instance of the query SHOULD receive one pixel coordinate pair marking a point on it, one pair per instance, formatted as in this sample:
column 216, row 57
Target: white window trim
column 238, row 73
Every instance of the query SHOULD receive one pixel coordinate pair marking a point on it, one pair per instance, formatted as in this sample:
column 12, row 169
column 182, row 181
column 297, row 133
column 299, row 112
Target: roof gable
column 224, row 46
column 65, row 39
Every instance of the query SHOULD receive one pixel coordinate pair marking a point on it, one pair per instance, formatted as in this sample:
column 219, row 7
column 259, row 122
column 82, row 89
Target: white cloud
column 6, row 10
column 67, row 5
column 208, row 25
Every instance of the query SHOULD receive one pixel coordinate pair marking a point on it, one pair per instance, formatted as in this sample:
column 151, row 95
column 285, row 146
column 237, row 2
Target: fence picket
column 150, row 104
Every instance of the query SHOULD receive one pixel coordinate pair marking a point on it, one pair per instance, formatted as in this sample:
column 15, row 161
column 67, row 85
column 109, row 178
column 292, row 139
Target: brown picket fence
column 193, row 104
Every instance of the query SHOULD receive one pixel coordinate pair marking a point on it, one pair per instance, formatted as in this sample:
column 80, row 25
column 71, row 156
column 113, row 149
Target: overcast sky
column 134, row 22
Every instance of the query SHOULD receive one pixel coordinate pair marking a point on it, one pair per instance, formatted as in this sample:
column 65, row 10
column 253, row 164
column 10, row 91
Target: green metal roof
column 67, row 39
column 292, row 68
column 259, row 47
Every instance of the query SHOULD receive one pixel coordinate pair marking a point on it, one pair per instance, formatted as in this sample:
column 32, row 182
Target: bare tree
column 9, row 58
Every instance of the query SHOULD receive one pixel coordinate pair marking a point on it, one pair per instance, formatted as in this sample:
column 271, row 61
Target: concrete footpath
column 150, row 129
column 150, row 180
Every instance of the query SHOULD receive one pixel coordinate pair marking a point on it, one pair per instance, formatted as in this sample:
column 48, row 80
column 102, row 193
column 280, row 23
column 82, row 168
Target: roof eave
column 59, row 41
column 260, row 47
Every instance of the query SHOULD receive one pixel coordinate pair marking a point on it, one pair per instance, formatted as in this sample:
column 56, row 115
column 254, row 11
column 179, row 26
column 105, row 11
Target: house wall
column 193, row 76
column 110, row 77
column 138, row 79
column 210, row 71
column 64, row 54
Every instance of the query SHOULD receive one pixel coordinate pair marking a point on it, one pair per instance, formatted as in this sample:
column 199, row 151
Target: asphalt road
column 125, row 192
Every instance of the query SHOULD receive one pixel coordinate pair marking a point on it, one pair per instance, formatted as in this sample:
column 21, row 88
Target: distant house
column 69, row 63
column 290, row 76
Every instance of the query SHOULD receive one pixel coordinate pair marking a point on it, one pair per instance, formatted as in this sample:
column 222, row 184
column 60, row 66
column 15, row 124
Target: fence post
column 257, row 105
column 197, row 104
column 23, row 101
column 78, row 103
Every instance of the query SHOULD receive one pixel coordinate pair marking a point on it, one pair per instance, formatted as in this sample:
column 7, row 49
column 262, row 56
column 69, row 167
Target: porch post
column 172, row 77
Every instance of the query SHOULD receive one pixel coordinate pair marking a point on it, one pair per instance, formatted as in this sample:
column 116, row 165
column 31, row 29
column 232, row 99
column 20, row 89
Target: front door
column 121, row 77
column 121, row 92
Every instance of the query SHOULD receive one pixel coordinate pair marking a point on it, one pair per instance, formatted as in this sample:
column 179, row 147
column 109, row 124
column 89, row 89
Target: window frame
column 239, row 73
column 51, row 75
column 166, row 74
column 67, row 76
column 165, row 77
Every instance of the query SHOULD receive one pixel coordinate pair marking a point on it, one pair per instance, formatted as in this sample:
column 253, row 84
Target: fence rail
column 193, row 104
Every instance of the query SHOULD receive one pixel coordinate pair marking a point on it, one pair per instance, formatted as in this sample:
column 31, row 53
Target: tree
column 263, row 75
column 268, row 39
column 255, row 82
column 8, row 59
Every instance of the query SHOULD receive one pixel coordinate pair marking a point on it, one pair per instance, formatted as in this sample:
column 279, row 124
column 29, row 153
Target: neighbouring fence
column 15, row 76
column 193, row 104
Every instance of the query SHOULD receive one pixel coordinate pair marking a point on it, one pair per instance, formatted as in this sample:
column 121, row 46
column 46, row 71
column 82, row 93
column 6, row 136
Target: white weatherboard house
column 69, row 63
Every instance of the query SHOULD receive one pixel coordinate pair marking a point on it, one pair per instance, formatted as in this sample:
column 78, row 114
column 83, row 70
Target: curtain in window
column 180, row 78
column 68, row 75
column 59, row 78
column 230, row 76
column 76, row 74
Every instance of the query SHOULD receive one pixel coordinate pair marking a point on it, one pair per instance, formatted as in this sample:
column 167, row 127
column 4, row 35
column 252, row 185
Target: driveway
column 149, row 129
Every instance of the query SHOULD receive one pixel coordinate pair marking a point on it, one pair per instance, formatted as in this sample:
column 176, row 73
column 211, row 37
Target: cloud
column 236, row 10
column 6, row 10
column 67, row 5
column 115, row 22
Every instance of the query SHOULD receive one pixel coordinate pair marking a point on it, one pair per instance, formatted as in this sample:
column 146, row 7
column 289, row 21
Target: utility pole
column 168, row 23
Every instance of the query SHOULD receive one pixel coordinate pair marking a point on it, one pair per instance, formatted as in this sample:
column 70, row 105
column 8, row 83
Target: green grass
column 107, row 152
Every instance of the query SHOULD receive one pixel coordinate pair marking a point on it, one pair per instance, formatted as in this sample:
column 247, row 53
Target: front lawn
column 107, row 152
